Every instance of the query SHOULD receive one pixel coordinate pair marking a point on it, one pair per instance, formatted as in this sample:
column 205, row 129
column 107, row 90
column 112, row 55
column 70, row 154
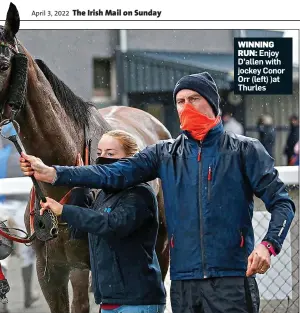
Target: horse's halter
column 14, row 108
column 13, row 48
column 43, row 227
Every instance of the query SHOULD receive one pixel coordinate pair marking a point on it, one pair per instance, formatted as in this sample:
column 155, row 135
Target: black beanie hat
column 202, row 83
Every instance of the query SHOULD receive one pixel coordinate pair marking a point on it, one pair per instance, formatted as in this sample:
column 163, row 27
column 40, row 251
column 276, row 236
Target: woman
column 122, row 231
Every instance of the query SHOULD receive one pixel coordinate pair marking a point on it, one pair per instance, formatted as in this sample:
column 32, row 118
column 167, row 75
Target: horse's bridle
column 43, row 227
column 46, row 227
column 13, row 48
column 15, row 110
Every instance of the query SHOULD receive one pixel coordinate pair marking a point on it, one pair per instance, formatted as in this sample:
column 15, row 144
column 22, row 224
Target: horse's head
column 8, row 48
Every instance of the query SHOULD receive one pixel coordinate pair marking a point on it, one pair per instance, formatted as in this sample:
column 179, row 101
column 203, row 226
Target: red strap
column 31, row 210
column 269, row 247
column 86, row 155
column 79, row 161
column 2, row 277
column 64, row 200
column 66, row 197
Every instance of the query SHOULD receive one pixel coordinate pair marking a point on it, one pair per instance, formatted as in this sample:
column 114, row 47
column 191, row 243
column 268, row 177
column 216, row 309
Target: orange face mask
column 197, row 124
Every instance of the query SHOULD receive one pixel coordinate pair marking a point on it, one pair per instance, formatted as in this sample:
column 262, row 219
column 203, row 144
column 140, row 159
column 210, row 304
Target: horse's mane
column 74, row 106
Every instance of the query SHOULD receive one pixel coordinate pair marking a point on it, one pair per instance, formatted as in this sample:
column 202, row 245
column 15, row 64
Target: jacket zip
column 200, row 208
column 209, row 178
column 93, row 248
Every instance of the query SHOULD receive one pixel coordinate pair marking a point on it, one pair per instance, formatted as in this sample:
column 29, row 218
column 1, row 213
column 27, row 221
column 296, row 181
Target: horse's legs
column 54, row 285
column 80, row 284
column 162, row 246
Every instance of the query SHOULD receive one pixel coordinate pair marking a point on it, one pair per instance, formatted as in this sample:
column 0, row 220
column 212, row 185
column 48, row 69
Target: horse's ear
column 12, row 23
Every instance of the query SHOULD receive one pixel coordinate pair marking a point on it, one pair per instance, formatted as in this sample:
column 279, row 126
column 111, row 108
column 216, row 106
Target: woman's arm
column 132, row 210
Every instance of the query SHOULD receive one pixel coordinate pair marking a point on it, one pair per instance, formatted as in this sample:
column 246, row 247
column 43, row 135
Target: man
column 292, row 139
column 209, row 178
column 231, row 124
column 267, row 133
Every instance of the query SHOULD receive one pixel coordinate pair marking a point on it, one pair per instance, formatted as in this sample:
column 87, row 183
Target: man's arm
column 142, row 167
column 266, row 185
column 131, row 212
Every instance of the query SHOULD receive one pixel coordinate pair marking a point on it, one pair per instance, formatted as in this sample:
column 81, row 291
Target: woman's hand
column 52, row 205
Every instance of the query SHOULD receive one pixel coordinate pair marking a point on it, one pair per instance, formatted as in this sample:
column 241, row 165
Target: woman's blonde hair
column 127, row 141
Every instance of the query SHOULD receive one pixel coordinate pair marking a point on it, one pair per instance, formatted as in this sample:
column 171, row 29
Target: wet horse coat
column 55, row 125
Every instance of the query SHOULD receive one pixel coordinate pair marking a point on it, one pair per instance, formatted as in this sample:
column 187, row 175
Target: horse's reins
column 43, row 227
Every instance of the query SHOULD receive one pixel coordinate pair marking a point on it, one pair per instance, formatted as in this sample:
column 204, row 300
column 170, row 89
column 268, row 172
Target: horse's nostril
column 4, row 67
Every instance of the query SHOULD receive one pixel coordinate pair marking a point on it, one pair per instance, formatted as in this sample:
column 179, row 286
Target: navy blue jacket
column 208, row 191
column 122, row 235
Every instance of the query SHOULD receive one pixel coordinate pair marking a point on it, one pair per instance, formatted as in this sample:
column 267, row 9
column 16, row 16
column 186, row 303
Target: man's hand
column 52, row 205
column 30, row 165
column 259, row 261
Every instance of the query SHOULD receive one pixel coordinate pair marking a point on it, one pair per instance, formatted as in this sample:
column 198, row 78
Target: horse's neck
column 46, row 131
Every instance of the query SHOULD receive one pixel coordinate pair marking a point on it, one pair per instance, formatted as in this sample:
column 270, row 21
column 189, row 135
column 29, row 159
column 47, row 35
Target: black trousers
column 215, row 295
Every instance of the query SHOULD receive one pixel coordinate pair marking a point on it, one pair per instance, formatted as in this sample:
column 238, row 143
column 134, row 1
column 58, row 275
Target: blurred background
column 139, row 68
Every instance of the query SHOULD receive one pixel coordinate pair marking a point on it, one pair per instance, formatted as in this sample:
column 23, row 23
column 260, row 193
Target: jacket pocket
column 111, row 278
column 209, row 182
column 172, row 249
column 118, row 272
column 172, row 241
column 242, row 242
column 243, row 247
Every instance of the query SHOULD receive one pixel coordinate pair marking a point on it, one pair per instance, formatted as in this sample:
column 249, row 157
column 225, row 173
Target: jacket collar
column 211, row 136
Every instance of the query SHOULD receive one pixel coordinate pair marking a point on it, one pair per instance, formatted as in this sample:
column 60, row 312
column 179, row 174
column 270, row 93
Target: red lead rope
column 4, row 287
column 64, row 200
column 1, row 273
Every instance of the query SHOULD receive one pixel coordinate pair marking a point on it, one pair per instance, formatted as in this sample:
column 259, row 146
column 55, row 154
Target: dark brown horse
column 53, row 122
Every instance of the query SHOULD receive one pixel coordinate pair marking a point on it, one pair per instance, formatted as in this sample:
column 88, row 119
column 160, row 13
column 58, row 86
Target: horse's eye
column 4, row 67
